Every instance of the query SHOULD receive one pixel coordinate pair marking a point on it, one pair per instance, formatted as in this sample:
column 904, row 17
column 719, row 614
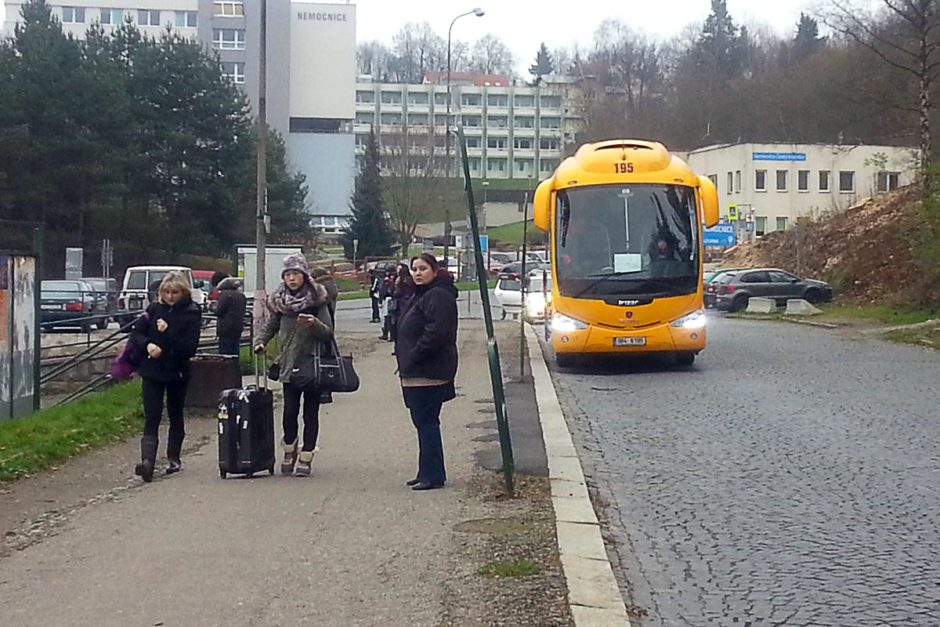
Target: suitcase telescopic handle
column 259, row 377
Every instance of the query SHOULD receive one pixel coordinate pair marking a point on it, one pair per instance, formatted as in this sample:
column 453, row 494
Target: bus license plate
column 629, row 341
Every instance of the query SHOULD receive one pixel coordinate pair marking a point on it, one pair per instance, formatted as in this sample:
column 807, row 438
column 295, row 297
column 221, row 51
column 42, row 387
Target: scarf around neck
column 284, row 301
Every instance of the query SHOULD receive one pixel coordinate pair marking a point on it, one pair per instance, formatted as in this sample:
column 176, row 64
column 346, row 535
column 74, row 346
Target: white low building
column 772, row 185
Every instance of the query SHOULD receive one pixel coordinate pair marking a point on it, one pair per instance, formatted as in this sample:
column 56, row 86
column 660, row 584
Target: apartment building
column 772, row 185
column 311, row 70
column 513, row 132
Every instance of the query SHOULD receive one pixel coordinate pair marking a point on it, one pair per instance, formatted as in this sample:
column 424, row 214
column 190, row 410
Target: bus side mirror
column 709, row 194
column 542, row 204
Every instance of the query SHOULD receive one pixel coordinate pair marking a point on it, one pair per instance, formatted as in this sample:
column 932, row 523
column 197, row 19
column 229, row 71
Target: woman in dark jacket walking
column 426, row 350
column 169, row 335
column 300, row 316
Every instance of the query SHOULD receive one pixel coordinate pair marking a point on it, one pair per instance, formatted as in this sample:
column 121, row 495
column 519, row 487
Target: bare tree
column 418, row 49
column 905, row 36
column 372, row 59
column 491, row 56
column 411, row 180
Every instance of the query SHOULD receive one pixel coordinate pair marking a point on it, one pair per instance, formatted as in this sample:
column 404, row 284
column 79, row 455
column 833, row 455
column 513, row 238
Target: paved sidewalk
column 349, row 546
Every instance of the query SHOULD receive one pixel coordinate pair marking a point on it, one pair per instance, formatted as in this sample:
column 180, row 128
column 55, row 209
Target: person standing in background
column 230, row 312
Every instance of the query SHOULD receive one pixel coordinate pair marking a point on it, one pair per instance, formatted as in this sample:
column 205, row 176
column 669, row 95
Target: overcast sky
column 524, row 24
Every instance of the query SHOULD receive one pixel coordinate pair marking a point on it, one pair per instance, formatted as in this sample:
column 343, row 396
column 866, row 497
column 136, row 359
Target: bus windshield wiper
column 665, row 286
column 599, row 280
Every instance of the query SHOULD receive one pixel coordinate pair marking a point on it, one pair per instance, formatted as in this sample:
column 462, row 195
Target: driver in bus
column 663, row 254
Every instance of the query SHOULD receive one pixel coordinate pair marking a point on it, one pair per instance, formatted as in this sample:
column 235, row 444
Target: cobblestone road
column 791, row 478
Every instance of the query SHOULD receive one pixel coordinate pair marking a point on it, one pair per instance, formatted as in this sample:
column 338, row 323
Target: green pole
column 492, row 348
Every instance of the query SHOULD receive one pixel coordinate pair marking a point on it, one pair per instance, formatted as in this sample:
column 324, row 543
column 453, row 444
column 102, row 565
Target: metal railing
column 59, row 366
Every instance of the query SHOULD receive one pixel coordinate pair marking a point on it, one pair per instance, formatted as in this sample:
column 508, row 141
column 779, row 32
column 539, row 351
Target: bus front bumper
column 597, row 340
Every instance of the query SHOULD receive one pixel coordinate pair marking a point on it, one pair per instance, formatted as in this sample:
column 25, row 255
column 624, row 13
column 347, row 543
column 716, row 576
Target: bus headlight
column 564, row 324
column 694, row 320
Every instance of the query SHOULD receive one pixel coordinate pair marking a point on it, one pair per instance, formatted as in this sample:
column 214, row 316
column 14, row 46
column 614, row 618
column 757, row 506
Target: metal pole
column 524, row 285
column 492, row 349
column 447, row 228
column 447, row 149
column 262, row 182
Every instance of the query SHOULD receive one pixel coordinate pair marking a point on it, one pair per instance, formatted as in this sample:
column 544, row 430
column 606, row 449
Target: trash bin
column 209, row 375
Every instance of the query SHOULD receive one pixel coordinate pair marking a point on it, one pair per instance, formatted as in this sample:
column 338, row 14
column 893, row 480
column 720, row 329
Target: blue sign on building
column 720, row 236
column 484, row 243
column 778, row 156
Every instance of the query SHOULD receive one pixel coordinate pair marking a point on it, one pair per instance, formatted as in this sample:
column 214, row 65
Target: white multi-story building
column 311, row 72
column 512, row 132
column 775, row 184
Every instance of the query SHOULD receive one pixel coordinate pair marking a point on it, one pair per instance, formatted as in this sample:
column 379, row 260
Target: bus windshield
column 626, row 239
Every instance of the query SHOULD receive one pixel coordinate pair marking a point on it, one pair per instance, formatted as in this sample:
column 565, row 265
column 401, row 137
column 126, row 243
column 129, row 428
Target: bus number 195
column 623, row 167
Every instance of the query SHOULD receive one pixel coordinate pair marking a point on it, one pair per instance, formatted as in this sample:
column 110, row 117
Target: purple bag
column 128, row 361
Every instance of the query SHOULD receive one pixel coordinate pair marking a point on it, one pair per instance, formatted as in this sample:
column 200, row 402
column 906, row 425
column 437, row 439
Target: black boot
column 148, row 456
column 174, row 448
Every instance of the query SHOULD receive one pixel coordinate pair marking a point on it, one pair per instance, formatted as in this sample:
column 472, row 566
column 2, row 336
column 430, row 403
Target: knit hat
column 296, row 262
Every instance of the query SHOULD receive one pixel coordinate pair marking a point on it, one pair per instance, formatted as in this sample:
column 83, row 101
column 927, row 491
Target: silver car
column 733, row 290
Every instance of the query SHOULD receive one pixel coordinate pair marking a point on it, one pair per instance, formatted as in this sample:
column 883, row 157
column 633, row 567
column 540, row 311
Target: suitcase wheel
column 222, row 473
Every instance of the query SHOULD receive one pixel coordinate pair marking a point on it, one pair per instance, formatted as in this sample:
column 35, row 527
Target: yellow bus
column 625, row 219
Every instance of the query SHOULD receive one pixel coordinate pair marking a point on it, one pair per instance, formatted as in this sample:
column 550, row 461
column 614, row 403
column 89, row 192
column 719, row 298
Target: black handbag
column 333, row 372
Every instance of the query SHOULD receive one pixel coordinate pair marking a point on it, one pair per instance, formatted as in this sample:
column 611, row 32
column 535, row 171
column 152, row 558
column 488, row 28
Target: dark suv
column 733, row 290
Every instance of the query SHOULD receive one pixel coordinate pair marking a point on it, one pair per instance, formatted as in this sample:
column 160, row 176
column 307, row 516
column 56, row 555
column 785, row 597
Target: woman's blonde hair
column 174, row 281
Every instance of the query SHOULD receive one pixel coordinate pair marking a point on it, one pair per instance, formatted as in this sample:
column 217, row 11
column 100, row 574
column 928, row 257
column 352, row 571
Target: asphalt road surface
column 792, row 477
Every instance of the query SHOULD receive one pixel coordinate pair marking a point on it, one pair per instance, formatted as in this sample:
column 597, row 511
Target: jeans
column 425, row 405
column 311, row 415
column 228, row 346
column 375, row 309
column 153, row 392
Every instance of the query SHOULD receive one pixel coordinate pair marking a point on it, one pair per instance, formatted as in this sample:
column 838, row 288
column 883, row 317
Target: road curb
column 593, row 594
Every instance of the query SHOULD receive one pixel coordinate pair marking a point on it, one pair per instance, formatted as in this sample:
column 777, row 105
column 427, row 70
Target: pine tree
column 368, row 224
column 543, row 63
column 807, row 40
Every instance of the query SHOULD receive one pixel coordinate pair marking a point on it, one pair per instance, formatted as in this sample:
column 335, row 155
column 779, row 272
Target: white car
column 137, row 279
column 538, row 292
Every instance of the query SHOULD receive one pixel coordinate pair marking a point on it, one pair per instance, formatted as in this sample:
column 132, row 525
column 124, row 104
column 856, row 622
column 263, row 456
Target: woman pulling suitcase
column 300, row 317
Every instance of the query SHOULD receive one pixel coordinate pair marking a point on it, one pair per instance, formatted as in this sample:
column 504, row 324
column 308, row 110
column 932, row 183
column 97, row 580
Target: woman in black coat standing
column 426, row 350
column 168, row 334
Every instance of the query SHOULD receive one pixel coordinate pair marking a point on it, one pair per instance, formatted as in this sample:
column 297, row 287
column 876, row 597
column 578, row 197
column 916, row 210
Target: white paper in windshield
column 628, row 262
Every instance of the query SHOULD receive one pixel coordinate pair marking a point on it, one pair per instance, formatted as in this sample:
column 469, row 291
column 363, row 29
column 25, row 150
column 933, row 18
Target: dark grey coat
column 304, row 339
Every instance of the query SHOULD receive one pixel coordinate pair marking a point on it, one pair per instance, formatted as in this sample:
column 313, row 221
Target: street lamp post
column 479, row 13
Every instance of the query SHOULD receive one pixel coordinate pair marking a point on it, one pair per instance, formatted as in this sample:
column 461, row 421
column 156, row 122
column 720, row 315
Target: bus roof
column 623, row 161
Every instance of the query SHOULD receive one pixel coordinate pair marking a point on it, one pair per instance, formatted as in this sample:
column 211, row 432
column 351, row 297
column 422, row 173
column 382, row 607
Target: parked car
column 711, row 275
column 515, row 268
column 538, row 295
column 710, row 283
column 508, row 294
column 67, row 303
column 137, row 280
column 733, row 290
column 497, row 261
column 106, row 294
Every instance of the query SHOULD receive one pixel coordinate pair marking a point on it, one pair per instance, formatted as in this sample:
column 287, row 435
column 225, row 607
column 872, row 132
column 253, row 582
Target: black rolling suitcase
column 246, row 429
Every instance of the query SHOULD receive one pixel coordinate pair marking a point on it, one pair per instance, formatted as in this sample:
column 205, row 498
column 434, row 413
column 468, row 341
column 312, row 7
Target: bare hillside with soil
column 864, row 252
